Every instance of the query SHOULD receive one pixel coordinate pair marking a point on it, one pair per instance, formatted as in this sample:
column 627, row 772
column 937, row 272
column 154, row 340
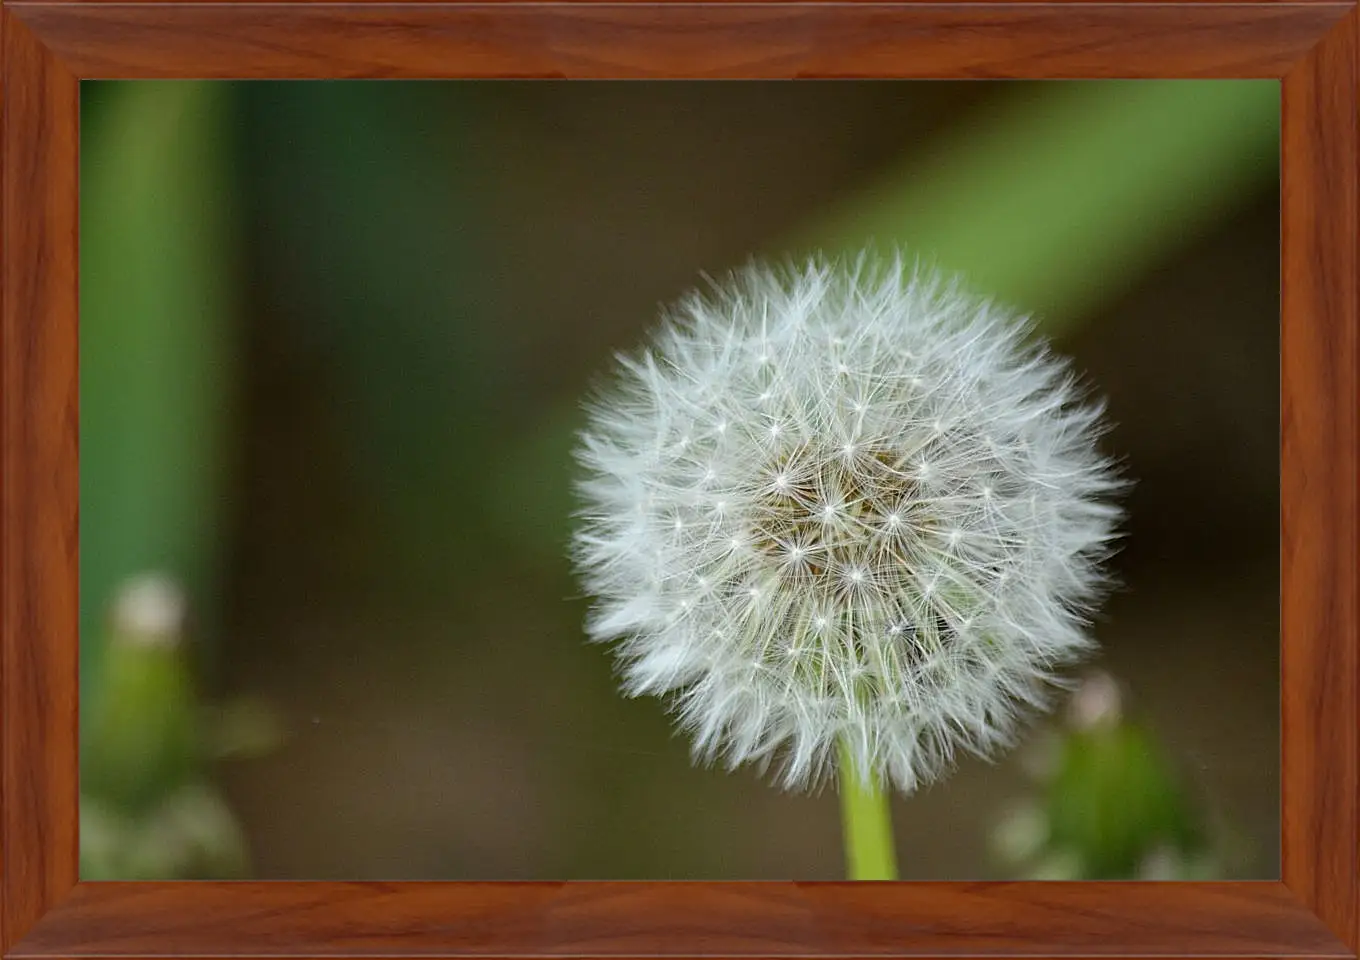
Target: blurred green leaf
column 1115, row 801
column 1110, row 804
column 141, row 739
column 157, row 346
column 191, row 834
column 1063, row 193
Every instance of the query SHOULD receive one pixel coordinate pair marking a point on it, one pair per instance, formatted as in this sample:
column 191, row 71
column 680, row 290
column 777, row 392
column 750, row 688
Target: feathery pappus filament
column 847, row 502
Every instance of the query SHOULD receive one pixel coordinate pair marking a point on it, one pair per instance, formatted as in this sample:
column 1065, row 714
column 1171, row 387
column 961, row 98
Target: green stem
column 158, row 346
column 867, row 820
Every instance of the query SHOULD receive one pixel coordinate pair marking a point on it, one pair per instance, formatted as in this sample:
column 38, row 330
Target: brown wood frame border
column 1314, row 911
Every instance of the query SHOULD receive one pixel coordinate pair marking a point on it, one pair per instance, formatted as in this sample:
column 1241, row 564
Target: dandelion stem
column 866, row 818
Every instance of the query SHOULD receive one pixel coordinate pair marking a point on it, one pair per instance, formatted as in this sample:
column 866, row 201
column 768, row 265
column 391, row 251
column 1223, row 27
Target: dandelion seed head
column 847, row 502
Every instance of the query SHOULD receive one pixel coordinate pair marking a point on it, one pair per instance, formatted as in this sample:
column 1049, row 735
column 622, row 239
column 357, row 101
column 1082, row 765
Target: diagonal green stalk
column 1058, row 196
column 866, row 818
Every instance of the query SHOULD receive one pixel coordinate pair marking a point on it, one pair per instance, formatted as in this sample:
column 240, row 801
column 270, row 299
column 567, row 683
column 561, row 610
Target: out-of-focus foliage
column 158, row 343
column 1108, row 804
column 190, row 834
column 147, row 807
column 159, row 329
column 142, row 737
column 1063, row 194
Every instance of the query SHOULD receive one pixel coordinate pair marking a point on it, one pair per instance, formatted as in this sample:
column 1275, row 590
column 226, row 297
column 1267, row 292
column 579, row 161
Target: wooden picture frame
column 1312, row 911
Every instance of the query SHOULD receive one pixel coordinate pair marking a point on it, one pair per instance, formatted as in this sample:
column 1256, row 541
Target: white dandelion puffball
column 844, row 504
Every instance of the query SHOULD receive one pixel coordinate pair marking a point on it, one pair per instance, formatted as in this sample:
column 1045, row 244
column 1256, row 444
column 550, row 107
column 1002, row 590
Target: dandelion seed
column 839, row 521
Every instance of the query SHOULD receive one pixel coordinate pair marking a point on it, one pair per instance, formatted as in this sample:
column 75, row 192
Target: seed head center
column 835, row 519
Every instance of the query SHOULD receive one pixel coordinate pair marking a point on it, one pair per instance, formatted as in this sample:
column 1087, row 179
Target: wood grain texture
column 38, row 435
column 1312, row 913
column 684, row 3
column 680, row 919
column 923, row 40
column 1320, row 667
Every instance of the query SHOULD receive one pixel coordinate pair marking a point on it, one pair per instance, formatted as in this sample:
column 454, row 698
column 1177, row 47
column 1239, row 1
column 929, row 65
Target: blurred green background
column 333, row 338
